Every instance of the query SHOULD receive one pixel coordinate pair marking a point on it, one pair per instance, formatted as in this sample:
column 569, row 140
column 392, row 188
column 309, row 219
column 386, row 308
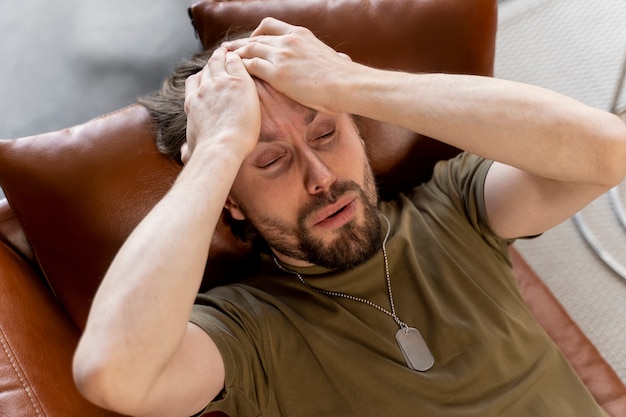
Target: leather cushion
column 79, row 192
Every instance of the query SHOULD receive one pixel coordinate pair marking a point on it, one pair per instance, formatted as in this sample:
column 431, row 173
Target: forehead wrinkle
column 270, row 136
column 267, row 137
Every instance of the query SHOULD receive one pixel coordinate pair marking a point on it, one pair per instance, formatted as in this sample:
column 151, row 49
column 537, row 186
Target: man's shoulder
column 462, row 167
column 256, row 290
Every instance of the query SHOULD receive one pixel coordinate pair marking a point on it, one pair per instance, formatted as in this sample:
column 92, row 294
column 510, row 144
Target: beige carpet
column 577, row 47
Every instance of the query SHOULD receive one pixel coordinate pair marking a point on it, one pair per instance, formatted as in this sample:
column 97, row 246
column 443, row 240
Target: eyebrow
column 308, row 119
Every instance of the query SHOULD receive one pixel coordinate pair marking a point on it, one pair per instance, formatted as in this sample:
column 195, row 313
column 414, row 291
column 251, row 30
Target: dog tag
column 413, row 346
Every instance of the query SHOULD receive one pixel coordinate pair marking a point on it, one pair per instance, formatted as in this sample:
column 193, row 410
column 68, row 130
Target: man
column 313, row 333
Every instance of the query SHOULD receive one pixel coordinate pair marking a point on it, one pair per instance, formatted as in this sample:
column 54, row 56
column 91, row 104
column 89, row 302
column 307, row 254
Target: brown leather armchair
column 75, row 195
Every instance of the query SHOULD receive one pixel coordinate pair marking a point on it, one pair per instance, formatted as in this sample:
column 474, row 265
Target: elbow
column 100, row 384
column 91, row 384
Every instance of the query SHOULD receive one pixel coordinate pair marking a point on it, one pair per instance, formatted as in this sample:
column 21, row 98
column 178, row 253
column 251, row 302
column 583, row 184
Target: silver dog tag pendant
column 413, row 346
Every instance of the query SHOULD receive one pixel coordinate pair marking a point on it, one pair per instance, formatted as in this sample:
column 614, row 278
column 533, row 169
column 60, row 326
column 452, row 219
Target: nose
column 319, row 177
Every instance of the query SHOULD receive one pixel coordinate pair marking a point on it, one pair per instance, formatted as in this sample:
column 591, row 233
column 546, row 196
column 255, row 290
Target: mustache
column 321, row 200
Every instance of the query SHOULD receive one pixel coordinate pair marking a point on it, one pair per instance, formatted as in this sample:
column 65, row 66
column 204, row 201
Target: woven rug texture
column 578, row 48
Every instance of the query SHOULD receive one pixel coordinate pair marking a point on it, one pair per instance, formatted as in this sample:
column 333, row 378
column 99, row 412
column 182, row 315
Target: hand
column 222, row 106
column 294, row 62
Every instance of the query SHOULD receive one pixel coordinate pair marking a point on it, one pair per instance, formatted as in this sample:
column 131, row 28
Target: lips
column 336, row 214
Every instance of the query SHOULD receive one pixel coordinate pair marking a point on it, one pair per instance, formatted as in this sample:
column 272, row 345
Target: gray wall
column 67, row 61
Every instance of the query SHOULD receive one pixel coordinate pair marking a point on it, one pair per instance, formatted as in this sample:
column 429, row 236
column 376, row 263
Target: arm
column 139, row 355
column 554, row 154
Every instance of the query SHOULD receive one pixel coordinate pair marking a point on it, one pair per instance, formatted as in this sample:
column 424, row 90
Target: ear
column 233, row 209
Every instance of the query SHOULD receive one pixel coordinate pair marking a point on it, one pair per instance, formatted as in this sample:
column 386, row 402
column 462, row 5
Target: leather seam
column 19, row 372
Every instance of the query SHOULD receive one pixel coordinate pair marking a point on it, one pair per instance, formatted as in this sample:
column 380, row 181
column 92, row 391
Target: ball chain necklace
column 412, row 345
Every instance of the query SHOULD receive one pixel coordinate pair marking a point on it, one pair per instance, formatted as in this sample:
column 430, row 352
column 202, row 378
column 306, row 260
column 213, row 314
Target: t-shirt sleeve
column 228, row 317
column 459, row 183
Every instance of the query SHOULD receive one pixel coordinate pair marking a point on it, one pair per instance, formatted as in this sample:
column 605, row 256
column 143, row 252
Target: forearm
column 528, row 127
column 140, row 313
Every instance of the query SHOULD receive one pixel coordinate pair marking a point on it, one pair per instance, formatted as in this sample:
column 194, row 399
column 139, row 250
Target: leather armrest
column 37, row 341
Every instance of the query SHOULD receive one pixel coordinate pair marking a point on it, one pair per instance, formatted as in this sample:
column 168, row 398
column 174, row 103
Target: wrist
column 213, row 165
column 358, row 93
column 224, row 145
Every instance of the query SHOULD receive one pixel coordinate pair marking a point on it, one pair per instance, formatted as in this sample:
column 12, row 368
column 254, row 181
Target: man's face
column 308, row 187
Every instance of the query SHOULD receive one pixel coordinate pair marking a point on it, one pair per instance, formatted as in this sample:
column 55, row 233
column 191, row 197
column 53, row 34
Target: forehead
column 271, row 99
column 279, row 112
column 271, row 127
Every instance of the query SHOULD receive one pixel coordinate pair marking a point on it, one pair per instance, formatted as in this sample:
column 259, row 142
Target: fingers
column 256, row 57
column 225, row 63
column 345, row 56
column 272, row 26
column 265, row 47
column 211, row 91
column 192, row 83
column 215, row 66
column 222, row 63
column 269, row 27
column 234, row 65
column 249, row 47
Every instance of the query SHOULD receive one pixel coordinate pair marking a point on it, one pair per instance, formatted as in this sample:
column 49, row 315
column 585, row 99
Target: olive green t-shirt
column 291, row 351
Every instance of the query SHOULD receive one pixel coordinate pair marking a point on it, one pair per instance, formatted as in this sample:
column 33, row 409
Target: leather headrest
column 412, row 35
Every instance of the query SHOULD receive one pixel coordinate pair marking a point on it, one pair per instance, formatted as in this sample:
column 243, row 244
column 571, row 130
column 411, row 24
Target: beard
column 353, row 244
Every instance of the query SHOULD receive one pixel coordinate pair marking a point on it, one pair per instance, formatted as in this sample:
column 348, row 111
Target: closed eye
column 269, row 158
column 326, row 137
